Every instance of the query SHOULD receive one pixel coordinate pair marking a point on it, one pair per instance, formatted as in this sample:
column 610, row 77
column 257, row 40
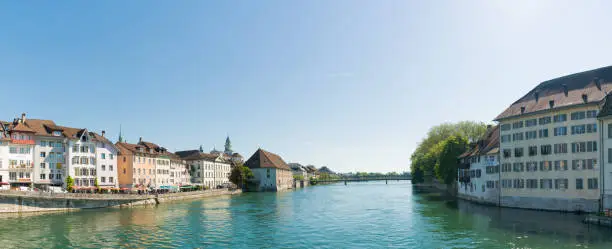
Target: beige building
column 270, row 172
column 550, row 144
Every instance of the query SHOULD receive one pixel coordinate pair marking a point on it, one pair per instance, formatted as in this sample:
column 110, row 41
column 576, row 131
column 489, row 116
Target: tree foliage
column 446, row 165
column 426, row 156
column 69, row 183
column 240, row 174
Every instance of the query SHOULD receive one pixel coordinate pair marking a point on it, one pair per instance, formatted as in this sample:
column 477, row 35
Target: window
column 591, row 114
column 578, row 147
column 506, row 167
column 111, row 156
column 532, row 166
column 533, row 150
column 579, row 183
column 43, row 154
column 530, row 135
column 546, row 183
column 518, row 167
column 517, row 136
column 42, row 165
column 543, row 133
column 518, row 152
column 609, row 130
column 103, row 179
column 578, row 164
column 532, row 183
column 591, row 128
column 592, row 183
column 560, row 165
column 610, row 155
column 590, row 164
column 560, row 131
column 591, row 146
column 13, row 150
column 578, row 115
column 110, row 167
column 507, row 153
column 560, row 148
column 103, row 156
column 531, row 122
column 519, row 183
column 561, row 183
column 110, row 179
column 506, row 183
column 545, row 149
column 43, row 176
column 505, row 127
column 517, row 125
column 43, row 143
column 103, row 167
column 545, row 165
column 544, row 120
column 57, row 133
column 268, row 173
column 560, row 118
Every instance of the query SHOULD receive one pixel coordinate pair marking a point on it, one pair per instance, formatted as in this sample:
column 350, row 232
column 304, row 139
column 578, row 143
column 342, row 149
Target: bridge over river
column 366, row 179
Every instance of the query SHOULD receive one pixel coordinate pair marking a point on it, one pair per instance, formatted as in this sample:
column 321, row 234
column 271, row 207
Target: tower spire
column 228, row 146
column 120, row 136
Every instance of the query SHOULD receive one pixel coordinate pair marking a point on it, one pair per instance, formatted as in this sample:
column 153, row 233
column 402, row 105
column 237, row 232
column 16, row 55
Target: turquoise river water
column 360, row 215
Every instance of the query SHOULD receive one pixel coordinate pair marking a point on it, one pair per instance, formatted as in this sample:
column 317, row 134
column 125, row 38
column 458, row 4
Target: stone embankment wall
column 20, row 201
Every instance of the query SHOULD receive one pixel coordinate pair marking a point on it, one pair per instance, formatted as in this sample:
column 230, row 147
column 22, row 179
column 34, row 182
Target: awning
column 188, row 187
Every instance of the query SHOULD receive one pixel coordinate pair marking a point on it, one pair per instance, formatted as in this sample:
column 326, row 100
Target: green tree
column 298, row 177
column 69, row 183
column 446, row 166
column 240, row 174
column 427, row 154
column 96, row 184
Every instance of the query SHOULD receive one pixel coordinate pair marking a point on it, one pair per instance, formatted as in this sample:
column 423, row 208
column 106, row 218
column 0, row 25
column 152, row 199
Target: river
column 359, row 215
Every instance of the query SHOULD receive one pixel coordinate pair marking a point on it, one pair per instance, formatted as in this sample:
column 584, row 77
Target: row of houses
column 551, row 149
column 308, row 171
column 38, row 153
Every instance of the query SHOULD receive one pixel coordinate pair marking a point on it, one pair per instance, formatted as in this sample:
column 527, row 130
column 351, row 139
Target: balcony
column 21, row 167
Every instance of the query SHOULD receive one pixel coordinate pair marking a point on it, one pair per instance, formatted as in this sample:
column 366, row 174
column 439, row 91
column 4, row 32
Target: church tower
column 228, row 146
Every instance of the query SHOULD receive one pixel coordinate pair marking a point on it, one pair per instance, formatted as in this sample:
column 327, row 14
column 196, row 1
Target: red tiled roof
column 21, row 127
column 265, row 159
column 594, row 84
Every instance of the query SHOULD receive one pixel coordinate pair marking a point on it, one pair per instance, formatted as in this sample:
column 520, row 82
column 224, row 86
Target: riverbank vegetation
column 436, row 155
column 240, row 174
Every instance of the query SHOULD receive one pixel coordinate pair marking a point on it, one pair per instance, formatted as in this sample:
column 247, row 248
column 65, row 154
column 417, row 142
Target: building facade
column 478, row 174
column 270, row 172
column 208, row 170
column 550, row 144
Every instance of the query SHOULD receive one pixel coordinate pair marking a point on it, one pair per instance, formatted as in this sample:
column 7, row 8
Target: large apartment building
column 550, row 146
column 210, row 170
column 478, row 174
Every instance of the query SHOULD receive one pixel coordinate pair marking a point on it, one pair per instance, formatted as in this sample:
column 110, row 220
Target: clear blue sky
column 354, row 85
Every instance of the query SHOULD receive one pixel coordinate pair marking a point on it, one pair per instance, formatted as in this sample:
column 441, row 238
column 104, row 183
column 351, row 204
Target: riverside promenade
column 25, row 201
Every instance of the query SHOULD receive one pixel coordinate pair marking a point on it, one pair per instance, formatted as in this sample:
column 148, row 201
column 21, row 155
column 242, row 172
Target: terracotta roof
column 21, row 127
column 265, row 159
column 594, row 84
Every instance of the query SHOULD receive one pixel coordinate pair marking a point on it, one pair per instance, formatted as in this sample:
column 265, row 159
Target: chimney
column 103, row 132
column 23, row 117
column 585, row 97
column 551, row 103
column 565, row 90
column 522, row 109
column 536, row 94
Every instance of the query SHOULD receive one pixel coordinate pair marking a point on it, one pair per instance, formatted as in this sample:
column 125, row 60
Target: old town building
column 270, row 172
column 478, row 174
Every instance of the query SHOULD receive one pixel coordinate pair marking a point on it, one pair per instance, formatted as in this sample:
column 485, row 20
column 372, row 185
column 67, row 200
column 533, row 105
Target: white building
column 298, row 170
column 21, row 154
column 550, row 144
column 208, row 170
column 106, row 161
column 179, row 171
column 4, row 151
column 478, row 177
column 605, row 122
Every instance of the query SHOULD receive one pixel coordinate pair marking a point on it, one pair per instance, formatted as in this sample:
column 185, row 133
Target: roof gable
column 265, row 159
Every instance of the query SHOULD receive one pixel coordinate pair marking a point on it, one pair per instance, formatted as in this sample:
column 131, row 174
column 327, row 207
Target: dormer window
column 57, row 133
